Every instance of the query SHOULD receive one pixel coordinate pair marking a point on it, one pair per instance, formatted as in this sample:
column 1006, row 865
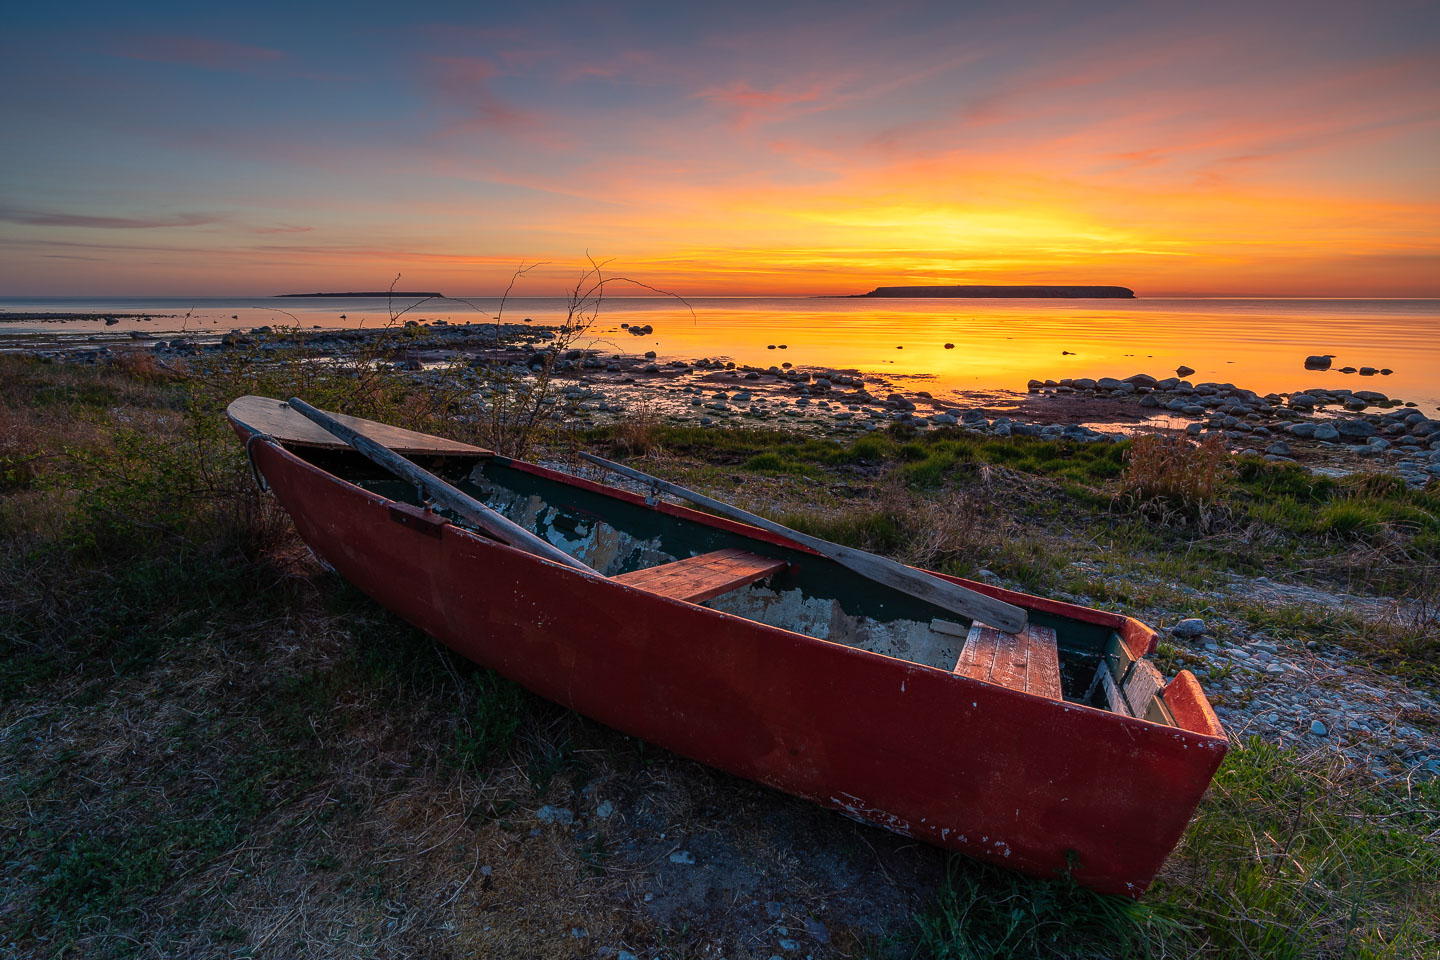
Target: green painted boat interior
column 812, row 595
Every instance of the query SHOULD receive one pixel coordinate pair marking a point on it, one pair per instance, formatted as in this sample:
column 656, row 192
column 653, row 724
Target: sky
column 1254, row 149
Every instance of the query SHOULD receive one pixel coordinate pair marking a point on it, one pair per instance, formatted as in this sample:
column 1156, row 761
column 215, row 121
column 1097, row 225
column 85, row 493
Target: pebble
column 817, row 930
column 1318, row 728
column 1190, row 627
column 556, row 815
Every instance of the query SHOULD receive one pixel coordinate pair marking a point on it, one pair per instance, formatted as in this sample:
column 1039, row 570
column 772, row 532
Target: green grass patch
column 773, row 462
column 1281, row 861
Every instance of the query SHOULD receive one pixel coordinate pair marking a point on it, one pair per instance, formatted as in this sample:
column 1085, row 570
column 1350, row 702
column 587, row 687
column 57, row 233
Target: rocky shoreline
column 1403, row 440
column 1328, row 430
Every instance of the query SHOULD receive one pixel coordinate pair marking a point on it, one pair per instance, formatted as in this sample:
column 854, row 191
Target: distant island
column 367, row 293
column 1017, row 292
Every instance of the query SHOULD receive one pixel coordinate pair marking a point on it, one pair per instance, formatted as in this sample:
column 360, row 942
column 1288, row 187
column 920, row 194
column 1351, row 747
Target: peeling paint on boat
column 855, row 808
column 767, row 701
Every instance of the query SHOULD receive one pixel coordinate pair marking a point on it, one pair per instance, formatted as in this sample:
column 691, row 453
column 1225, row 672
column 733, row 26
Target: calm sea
column 998, row 344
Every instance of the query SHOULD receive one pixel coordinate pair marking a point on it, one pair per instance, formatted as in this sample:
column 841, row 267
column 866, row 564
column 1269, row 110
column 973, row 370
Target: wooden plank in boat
column 1028, row 661
column 696, row 579
column 1142, row 683
column 274, row 417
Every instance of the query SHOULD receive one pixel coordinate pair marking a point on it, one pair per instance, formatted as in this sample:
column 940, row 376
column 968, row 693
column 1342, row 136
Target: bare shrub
column 520, row 403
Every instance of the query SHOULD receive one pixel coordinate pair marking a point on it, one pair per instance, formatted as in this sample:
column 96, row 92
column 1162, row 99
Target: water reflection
column 998, row 344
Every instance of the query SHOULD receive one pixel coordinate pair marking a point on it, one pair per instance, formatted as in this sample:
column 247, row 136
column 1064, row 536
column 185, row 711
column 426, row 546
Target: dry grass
column 208, row 746
column 142, row 364
column 639, row 432
column 1176, row 471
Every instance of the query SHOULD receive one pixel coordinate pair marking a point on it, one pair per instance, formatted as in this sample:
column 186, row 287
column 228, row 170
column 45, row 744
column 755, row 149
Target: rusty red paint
column 1018, row 780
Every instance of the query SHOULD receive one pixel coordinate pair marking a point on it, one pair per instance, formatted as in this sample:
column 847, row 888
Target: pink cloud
column 748, row 106
column 464, row 82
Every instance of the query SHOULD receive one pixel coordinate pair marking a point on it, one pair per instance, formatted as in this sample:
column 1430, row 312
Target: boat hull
column 1041, row 786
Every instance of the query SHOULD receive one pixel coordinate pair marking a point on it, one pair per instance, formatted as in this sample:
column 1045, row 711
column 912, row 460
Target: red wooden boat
column 1058, row 748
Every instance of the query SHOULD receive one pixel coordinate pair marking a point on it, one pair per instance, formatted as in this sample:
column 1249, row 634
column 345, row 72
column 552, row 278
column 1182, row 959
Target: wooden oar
column 441, row 492
column 942, row 593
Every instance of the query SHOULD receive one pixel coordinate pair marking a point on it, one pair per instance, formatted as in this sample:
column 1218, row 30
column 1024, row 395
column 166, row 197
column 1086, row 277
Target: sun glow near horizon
column 1174, row 153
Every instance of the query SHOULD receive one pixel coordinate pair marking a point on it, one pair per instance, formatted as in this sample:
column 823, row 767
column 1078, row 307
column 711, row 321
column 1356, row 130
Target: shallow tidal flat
column 1334, row 428
column 1259, row 344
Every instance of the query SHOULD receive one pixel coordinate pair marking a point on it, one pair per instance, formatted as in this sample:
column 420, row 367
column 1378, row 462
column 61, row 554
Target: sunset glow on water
column 999, row 344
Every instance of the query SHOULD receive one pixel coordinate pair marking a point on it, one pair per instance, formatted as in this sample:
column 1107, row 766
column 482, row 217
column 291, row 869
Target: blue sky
column 1234, row 148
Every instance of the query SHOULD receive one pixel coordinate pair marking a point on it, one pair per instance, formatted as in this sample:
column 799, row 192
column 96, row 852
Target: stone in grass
column 1318, row 728
column 816, row 929
column 1190, row 627
column 682, row 856
column 556, row 815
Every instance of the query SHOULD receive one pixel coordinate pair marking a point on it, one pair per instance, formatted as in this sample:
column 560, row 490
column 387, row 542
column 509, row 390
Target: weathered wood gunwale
column 1017, row 779
column 275, row 418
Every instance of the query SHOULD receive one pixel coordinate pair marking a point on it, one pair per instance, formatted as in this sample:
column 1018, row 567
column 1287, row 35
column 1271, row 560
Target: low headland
column 202, row 726
column 1004, row 292
column 404, row 294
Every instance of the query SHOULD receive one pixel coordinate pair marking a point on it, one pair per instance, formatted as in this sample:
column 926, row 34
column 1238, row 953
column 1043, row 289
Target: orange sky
column 1284, row 151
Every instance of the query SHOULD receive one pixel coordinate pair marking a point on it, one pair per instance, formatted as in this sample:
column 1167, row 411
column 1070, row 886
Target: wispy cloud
column 465, row 83
column 748, row 106
column 282, row 228
column 56, row 219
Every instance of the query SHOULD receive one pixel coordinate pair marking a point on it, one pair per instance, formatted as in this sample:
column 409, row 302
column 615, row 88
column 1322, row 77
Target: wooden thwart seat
column 1027, row 661
column 695, row 579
